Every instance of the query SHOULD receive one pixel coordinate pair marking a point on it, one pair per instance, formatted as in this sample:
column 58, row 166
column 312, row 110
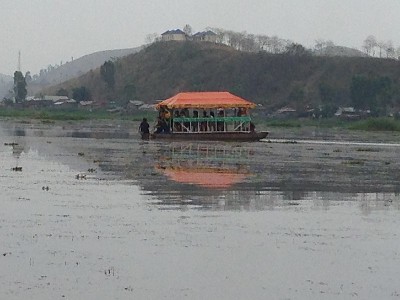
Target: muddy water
column 89, row 211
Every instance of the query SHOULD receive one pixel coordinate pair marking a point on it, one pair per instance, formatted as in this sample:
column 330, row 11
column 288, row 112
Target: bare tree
column 151, row 38
column 232, row 39
column 188, row 30
column 319, row 45
column 381, row 47
column 241, row 36
column 329, row 43
column 275, row 44
column 249, row 43
column 369, row 45
column 262, row 41
column 221, row 36
column 389, row 49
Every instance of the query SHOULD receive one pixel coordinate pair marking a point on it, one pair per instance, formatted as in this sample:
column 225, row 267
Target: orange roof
column 205, row 100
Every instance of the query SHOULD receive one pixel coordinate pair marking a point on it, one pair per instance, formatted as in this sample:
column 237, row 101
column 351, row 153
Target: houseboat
column 206, row 116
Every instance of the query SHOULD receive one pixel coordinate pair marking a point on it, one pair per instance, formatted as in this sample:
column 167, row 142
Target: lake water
column 89, row 211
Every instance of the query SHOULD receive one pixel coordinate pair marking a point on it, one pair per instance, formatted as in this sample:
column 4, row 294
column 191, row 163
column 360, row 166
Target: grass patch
column 298, row 123
column 376, row 124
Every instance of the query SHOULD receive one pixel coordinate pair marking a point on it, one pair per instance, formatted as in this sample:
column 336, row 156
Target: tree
column 371, row 93
column 319, row 45
column 187, row 29
column 249, row 43
column 107, row 72
column 326, row 93
column 28, row 77
column 397, row 53
column 20, row 91
column 361, row 92
column 130, row 91
column 296, row 49
column 381, row 46
column 62, row 92
column 276, row 44
column 219, row 32
column 151, row 38
column 81, row 94
column 369, row 45
column 262, row 41
column 389, row 49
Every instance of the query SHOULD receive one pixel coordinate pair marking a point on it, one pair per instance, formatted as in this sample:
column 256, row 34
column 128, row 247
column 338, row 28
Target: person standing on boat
column 144, row 129
column 211, row 125
column 195, row 124
column 203, row 124
column 220, row 124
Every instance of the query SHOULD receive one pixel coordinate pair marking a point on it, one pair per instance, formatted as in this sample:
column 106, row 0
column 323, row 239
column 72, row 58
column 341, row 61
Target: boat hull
column 212, row 136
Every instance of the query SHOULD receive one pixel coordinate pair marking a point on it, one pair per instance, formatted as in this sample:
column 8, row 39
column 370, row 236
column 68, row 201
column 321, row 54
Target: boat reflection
column 218, row 166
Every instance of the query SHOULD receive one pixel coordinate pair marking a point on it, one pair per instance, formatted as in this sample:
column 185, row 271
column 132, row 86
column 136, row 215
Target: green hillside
column 296, row 79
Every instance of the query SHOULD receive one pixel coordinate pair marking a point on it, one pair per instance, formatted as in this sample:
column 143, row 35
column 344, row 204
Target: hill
column 274, row 80
column 76, row 68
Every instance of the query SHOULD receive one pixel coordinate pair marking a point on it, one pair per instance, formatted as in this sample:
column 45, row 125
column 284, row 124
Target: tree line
column 381, row 49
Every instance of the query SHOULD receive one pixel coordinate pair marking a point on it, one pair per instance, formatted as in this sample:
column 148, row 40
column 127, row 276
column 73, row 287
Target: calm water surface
column 89, row 211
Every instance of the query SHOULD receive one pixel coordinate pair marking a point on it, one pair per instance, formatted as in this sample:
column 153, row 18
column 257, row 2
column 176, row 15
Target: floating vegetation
column 81, row 154
column 354, row 162
column 337, row 150
column 17, row 169
column 110, row 272
column 91, row 170
column 367, row 150
column 47, row 121
column 80, row 176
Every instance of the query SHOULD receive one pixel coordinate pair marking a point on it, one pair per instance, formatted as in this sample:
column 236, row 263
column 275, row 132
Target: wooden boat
column 212, row 116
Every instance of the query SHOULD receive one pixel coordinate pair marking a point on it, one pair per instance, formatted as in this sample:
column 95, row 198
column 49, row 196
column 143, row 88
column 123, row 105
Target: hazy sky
column 50, row 31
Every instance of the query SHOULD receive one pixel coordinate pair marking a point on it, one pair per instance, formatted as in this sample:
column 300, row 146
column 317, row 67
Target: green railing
column 212, row 119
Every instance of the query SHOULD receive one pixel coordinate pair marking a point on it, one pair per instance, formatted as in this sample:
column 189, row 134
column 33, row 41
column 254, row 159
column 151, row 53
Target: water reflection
column 208, row 166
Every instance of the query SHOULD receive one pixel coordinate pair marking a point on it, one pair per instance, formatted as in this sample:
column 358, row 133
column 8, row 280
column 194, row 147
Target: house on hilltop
column 174, row 35
column 179, row 35
column 205, row 36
